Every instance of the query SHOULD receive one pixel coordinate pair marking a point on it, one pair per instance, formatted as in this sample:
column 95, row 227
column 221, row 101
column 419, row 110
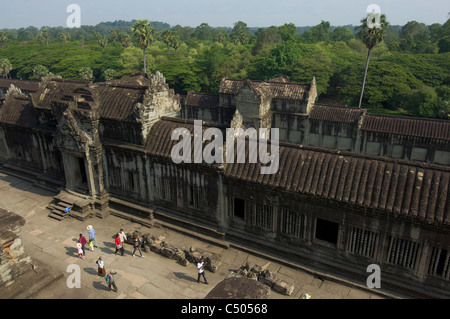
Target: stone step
column 64, row 205
column 56, row 216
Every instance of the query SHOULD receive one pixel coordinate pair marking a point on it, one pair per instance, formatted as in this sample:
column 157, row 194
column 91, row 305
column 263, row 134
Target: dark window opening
column 327, row 231
column 442, row 263
column 239, row 208
column 131, row 181
column 82, row 170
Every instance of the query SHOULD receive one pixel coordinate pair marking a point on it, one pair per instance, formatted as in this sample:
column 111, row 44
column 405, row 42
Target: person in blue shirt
column 91, row 232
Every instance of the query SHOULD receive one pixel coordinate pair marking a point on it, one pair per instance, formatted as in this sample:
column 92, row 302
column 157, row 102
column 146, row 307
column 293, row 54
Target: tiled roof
column 115, row 102
column 412, row 126
column 18, row 111
column 336, row 113
column 118, row 102
column 55, row 91
column 389, row 186
column 29, row 86
column 202, row 99
column 276, row 90
column 159, row 140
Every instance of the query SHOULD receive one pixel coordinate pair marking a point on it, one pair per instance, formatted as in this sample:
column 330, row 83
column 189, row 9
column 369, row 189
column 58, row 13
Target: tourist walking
column 83, row 242
column 80, row 251
column 111, row 281
column 91, row 245
column 201, row 270
column 122, row 236
column 137, row 245
column 119, row 246
column 91, row 232
column 101, row 267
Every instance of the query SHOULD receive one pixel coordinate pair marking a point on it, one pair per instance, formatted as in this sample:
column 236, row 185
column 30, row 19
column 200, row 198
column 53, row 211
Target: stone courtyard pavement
column 52, row 243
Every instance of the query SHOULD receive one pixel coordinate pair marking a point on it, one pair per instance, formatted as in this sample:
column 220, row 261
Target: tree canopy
column 408, row 71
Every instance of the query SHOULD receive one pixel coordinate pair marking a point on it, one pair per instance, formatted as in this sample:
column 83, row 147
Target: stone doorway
column 77, row 178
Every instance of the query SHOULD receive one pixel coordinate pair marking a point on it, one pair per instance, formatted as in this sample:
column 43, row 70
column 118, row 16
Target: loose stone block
column 283, row 287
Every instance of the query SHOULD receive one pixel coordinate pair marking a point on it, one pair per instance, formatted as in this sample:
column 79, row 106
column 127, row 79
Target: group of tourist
column 81, row 244
column 121, row 238
column 92, row 242
column 119, row 241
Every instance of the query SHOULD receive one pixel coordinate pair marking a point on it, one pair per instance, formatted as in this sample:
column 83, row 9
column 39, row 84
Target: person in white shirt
column 201, row 270
column 101, row 267
column 122, row 236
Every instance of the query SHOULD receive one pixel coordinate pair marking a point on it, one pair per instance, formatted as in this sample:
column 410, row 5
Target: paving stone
column 335, row 289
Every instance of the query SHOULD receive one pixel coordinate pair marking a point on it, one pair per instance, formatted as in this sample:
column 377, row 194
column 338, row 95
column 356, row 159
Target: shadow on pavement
column 182, row 275
column 100, row 285
column 71, row 251
column 91, row 271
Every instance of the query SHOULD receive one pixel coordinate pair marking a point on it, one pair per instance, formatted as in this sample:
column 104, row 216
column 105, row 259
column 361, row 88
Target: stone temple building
column 352, row 188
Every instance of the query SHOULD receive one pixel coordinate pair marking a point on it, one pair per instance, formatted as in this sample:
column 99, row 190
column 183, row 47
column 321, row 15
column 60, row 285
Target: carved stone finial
column 14, row 91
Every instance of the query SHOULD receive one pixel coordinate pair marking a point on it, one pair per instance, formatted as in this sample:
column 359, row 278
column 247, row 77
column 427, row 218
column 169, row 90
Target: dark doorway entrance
column 81, row 186
column 239, row 208
column 82, row 170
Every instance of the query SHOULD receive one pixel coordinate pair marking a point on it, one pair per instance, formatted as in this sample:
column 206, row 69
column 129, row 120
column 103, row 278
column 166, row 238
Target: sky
column 220, row 13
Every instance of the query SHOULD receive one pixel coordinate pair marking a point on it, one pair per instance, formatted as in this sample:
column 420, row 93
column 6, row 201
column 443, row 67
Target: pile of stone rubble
column 267, row 277
column 184, row 257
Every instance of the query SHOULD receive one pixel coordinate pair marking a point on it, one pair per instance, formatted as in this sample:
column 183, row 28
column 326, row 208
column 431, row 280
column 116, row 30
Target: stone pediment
column 70, row 134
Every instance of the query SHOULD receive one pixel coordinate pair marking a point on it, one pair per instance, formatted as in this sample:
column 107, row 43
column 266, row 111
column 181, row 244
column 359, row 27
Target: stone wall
column 13, row 258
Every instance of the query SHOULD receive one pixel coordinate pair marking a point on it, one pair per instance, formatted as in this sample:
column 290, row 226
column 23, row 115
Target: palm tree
column 86, row 73
column 46, row 35
column 175, row 43
column 166, row 36
column 62, row 37
column 370, row 36
column 40, row 71
column 103, row 41
column 3, row 37
column 5, row 67
column 109, row 74
column 126, row 42
column 220, row 37
column 113, row 35
column 144, row 33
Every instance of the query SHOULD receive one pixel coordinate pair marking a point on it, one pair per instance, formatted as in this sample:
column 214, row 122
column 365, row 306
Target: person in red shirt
column 83, row 242
column 119, row 246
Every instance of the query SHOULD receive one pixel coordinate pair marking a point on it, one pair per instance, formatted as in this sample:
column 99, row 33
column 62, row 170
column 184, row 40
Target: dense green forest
column 408, row 72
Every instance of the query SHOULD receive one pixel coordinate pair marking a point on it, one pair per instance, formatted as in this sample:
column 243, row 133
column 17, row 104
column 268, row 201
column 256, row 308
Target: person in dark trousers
column 83, row 242
column 119, row 246
column 111, row 281
column 137, row 245
column 101, row 267
column 201, row 270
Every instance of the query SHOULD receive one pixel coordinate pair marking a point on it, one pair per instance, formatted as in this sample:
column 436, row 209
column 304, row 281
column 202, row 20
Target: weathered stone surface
column 12, row 252
column 239, row 287
column 268, row 278
column 10, row 221
column 213, row 261
column 193, row 256
column 155, row 247
column 283, row 287
column 184, row 262
column 172, row 252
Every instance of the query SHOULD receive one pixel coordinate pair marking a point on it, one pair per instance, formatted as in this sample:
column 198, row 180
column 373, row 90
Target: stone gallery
column 352, row 188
